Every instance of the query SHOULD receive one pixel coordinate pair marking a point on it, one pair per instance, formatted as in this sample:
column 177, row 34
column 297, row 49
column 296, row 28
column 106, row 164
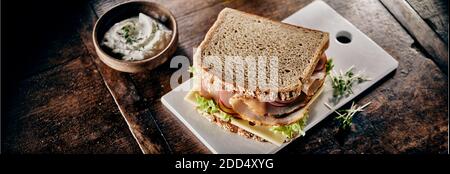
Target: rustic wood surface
column 420, row 30
column 72, row 103
column 435, row 13
column 131, row 105
column 62, row 106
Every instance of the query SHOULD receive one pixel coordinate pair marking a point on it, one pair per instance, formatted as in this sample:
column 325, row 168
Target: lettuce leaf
column 192, row 69
column 329, row 65
column 224, row 116
column 289, row 131
column 292, row 130
column 210, row 107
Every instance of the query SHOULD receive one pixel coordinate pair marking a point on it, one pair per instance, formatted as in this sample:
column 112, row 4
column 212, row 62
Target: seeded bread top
column 259, row 46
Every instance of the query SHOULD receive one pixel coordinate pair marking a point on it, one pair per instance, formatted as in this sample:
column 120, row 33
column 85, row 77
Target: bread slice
column 295, row 49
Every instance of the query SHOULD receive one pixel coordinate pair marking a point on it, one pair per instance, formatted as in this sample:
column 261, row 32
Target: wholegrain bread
column 256, row 41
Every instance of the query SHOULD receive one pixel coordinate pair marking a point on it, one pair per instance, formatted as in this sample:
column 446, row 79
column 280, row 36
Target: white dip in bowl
column 137, row 38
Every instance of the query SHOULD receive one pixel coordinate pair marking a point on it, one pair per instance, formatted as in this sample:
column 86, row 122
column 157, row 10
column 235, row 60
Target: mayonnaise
column 137, row 38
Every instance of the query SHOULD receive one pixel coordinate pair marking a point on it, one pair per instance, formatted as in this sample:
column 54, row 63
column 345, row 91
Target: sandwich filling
column 273, row 113
column 259, row 74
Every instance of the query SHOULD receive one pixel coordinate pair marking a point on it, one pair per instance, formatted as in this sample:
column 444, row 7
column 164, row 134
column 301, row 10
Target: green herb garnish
column 345, row 117
column 329, row 66
column 342, row 83
column 127, row 30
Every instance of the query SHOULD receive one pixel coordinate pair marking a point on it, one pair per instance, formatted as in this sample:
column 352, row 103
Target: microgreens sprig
column 346, row 116
column 342, row 83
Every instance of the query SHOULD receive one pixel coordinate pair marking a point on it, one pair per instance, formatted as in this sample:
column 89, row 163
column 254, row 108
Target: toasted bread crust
column 282, row 93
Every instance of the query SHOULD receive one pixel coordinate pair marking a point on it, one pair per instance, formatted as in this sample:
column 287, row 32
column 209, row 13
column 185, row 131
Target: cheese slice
column 261, row 131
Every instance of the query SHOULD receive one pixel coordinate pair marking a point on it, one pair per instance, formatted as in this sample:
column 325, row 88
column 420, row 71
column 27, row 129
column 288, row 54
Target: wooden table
column 58, row 97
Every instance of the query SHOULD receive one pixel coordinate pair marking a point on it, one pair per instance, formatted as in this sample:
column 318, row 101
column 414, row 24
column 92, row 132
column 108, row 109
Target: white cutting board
column 361, row 52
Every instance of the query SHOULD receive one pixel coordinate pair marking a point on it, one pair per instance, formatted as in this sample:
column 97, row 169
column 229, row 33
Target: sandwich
column 258, row 77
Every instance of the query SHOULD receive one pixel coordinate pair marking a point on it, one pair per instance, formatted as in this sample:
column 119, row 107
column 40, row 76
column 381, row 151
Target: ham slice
column 317, row 78
column 316, row 81
column 322, row 62
column 224, row 97
column 247, row 114
column 277, row 111
column 266, row 113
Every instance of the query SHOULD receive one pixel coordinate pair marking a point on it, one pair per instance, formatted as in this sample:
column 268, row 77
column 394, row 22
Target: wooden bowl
column 125, row 11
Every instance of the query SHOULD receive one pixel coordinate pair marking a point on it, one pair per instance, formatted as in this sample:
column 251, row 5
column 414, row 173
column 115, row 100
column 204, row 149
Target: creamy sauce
column 137, row 38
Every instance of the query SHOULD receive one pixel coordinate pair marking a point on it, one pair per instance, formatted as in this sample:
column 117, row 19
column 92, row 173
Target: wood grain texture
column 420, row 30
column 193, row 27
column 66, row 109
column 409, row 110
column 178, row 8
column 153, row 84
column 42, row 49
column 384, row 122
column 133, row 109
column 58, row 102
column 435, row 14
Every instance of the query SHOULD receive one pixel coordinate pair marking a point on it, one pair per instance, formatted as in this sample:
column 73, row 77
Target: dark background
column 28, row 28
